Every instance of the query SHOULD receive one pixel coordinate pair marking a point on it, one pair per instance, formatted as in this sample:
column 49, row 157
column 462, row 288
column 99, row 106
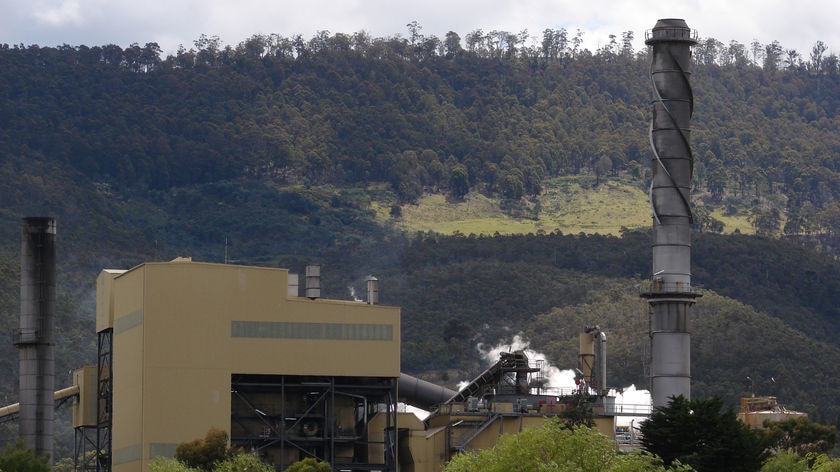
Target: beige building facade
column 186, row 346
column 184, row 332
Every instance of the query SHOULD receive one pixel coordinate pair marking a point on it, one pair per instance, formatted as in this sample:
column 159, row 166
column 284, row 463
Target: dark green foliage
column 16, row 458
column 204, row 454
column 345, row 109
column 581, row 412
column 704, row 435
column 309, row 465
column 790, row 462
column 554, row 447
column 459, row 181
column 801, row 436
column 240, row 155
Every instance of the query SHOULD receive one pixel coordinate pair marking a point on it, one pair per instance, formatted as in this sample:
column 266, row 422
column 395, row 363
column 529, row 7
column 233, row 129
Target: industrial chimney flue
column 35, row 338
column 670, row 295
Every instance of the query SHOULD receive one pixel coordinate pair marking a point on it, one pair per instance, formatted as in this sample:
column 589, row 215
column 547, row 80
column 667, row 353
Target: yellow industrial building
column 755, row 411
column 186, row 346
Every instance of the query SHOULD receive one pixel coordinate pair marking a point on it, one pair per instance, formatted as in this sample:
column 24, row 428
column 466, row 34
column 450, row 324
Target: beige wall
column 331, row 356
column 127, row 437
column 105, row 299
column 181, row 329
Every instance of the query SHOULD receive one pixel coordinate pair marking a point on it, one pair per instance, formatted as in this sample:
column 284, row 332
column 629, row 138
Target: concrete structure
column 197, row 346
column 508, row 397
column 35, row 338
column 188, row 346
column 670, row 294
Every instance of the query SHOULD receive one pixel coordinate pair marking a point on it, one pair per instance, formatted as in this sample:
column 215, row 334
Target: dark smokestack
column 35, row 337
column 671, row 296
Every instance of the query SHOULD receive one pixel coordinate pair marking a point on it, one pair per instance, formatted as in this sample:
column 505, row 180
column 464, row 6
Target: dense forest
column 273, row 151
column 487, row 112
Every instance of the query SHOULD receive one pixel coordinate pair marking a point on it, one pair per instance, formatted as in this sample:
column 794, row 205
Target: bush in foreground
column 555, row 447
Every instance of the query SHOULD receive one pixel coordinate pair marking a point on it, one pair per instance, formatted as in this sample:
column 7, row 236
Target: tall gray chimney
column 670, row 295
column 35, row 341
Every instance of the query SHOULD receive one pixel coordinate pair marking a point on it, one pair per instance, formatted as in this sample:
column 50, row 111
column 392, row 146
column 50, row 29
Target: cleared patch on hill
column 571, row 205
column 732, row 224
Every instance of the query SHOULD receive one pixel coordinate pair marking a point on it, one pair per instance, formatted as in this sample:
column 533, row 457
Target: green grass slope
column 571, row 205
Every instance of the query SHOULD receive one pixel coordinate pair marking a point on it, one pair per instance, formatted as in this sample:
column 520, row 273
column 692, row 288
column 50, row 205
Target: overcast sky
column 170, row 23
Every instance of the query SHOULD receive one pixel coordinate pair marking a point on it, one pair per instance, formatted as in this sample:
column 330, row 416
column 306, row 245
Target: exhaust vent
column 373, row 290
column 293, row 285
column 313, row 281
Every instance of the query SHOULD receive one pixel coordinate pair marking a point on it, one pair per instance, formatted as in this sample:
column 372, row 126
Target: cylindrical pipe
column 672, row 164
column 422, row 394
column 373, row 290
column 602, row 351
column 35, row 340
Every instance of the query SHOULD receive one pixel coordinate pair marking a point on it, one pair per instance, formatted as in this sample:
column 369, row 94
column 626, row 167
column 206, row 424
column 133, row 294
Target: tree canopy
column 792, row 462
column 210, row 454
column 17, row 458
column 555, row 447
column 205, row 454
column 704, row 435
column 493, row 111
column 801, row 436
column 279, row 147
column 309, row 465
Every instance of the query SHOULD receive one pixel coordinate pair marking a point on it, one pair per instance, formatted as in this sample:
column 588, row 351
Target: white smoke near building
column 632, row 405
column 556, row 379
column 629, row 401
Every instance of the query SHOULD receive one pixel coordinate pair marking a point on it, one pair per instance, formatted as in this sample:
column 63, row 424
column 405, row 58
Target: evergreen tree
column 704, row 435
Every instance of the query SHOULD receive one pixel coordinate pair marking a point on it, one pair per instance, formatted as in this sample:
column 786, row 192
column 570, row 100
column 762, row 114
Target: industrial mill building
column 187, row 346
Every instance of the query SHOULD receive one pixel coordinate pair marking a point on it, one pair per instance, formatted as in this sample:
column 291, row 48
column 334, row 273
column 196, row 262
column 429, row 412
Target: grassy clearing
column 571, row 205
column 731, row 224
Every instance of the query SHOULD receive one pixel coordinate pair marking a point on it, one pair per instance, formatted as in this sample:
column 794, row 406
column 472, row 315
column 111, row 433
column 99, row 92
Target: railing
column 675, row 33
column 27, row 336
column 658, row 287
column 629, row 409
column 564, row 391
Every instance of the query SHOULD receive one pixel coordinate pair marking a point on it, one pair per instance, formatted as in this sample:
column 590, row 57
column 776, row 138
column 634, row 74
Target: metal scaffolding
column 286, row 418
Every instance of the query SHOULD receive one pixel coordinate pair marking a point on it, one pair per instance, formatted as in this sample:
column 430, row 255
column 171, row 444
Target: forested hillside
column 493, row 112
column 275, row 151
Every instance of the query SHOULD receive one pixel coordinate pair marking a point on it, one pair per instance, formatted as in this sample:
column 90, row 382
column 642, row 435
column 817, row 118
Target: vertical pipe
column 671, row 296
column 313, row 281
column 602, row 352
column 372, row 290
column 35, row 341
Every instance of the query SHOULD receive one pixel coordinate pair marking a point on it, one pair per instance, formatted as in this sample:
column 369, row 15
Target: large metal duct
column 422, row 394
column 670, row 295
column 34, row 340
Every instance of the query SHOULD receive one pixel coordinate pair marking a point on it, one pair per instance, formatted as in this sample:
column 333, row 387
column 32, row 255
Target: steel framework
column 287, row 418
